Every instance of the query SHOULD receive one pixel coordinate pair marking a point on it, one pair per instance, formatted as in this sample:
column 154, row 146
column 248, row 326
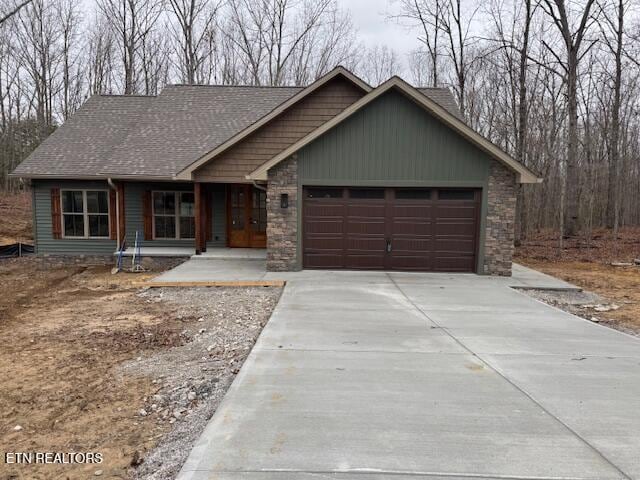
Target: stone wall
column 500, row 221
column 282, row 223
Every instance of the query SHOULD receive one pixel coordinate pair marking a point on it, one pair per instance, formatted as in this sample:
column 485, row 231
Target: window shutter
column 208, row 220
column 113, row 220
column 56, row 214
column 147, row 215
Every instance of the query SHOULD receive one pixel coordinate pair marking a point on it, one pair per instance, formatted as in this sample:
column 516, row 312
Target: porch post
column 197, row 194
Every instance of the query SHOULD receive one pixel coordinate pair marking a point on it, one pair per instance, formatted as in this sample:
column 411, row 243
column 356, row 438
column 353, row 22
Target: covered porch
column 207, row 220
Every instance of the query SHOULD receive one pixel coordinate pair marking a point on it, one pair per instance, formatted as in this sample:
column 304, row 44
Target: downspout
column 113, row 186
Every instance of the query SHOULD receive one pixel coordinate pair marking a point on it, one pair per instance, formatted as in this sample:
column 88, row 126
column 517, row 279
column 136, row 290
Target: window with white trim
column 174, row 215
column 85, row 213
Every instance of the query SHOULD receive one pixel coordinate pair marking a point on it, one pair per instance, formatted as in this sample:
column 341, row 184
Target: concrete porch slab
column 232, row 253
column 158, row 252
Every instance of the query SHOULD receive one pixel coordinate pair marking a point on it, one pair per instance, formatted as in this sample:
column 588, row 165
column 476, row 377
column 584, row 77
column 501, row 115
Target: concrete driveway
column 425, row 376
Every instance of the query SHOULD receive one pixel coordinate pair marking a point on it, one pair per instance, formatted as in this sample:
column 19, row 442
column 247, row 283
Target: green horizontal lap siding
column 45, row 243
column 133, row 194
column 392, row 141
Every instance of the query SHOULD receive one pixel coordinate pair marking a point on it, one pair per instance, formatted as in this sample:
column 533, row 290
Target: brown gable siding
column 240, row 160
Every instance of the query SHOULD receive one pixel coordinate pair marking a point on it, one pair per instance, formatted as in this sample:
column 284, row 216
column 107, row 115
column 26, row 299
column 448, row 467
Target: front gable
column 392, row 139
column 312, row 111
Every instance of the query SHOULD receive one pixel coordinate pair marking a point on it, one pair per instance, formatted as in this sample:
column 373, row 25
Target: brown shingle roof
column 83, row 144
column 121, row 136
column 444, row 98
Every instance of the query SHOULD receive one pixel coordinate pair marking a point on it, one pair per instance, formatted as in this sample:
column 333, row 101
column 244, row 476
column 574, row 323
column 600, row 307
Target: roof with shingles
column 82, row 145
column 157, row 137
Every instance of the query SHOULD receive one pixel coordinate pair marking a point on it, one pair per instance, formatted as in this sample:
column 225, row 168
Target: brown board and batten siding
column 292, row 125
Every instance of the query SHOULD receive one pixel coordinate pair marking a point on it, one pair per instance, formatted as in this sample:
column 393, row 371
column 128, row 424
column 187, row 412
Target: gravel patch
column 193, row 378
column 584, row 304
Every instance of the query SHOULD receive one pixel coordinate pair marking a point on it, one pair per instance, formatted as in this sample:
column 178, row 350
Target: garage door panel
column 324, row 226
column 364, row 227
column 408, row 228
column 326, row 210
column 413, row 211
column 366, row 210
column 403, row 244
column 456, row 229
column 324, row 243
column 366, row 244
column 444, row 212
column 450, row 263
column 454, row 245
column 364, row 262
column 411, row 262
column 424, row 232
column 324, row 260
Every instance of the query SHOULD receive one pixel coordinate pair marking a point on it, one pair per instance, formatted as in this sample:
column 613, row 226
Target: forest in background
column 552, row 82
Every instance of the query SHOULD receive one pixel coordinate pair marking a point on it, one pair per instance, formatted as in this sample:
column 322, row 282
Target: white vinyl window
column 174, row 215
column 85, row 213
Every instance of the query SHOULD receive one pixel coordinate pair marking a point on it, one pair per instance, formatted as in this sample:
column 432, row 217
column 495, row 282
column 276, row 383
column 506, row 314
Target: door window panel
column 367, row 193
column 456, row 194
column 259, row 211
column 413, row 193
column 324, row 192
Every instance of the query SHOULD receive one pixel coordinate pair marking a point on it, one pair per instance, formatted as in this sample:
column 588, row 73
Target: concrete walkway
column 417, row 376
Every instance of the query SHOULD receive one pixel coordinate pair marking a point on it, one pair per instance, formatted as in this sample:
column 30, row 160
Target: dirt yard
column 15, row 218
column 89, row 362
column 588, row 265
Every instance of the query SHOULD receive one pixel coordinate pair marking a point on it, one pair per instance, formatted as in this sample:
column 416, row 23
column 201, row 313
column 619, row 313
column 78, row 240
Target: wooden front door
column 247, row 216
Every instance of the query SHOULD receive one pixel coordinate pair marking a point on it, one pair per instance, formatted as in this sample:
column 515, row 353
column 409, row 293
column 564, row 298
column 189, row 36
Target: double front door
column 247, row 216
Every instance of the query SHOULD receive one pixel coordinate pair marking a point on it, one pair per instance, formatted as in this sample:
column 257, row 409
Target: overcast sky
column 370, row 18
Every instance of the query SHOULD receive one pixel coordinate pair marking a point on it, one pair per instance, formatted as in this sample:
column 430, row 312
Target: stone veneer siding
column 282, row 223
column 500, row 220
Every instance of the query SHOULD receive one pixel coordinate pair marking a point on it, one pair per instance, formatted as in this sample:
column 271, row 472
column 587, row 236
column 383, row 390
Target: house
column 336, row 175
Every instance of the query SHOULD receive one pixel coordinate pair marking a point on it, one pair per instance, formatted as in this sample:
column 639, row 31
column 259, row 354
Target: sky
column 370, row 18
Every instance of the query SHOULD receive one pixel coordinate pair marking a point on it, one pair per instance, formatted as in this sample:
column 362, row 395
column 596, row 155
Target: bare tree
column 612, row 26
column 573, row 42
column 11, row 13
column 194, row 37
column 428, row 15
column 132, row 21
column 378, row 64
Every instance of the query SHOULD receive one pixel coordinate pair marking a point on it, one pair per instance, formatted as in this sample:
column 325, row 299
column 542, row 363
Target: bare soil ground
column 76, row 349
column 589, row 266
column 15, row 218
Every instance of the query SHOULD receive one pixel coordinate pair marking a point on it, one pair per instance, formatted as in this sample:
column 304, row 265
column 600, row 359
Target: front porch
column 211, row 220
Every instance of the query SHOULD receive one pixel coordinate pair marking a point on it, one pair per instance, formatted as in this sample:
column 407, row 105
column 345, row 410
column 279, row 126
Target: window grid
column 183, row 215
column 81, row 211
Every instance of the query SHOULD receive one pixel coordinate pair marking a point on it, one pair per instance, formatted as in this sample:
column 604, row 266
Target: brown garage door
column 424, row 229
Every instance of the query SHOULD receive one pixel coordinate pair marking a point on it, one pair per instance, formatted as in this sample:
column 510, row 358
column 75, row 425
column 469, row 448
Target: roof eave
column 36, row 176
